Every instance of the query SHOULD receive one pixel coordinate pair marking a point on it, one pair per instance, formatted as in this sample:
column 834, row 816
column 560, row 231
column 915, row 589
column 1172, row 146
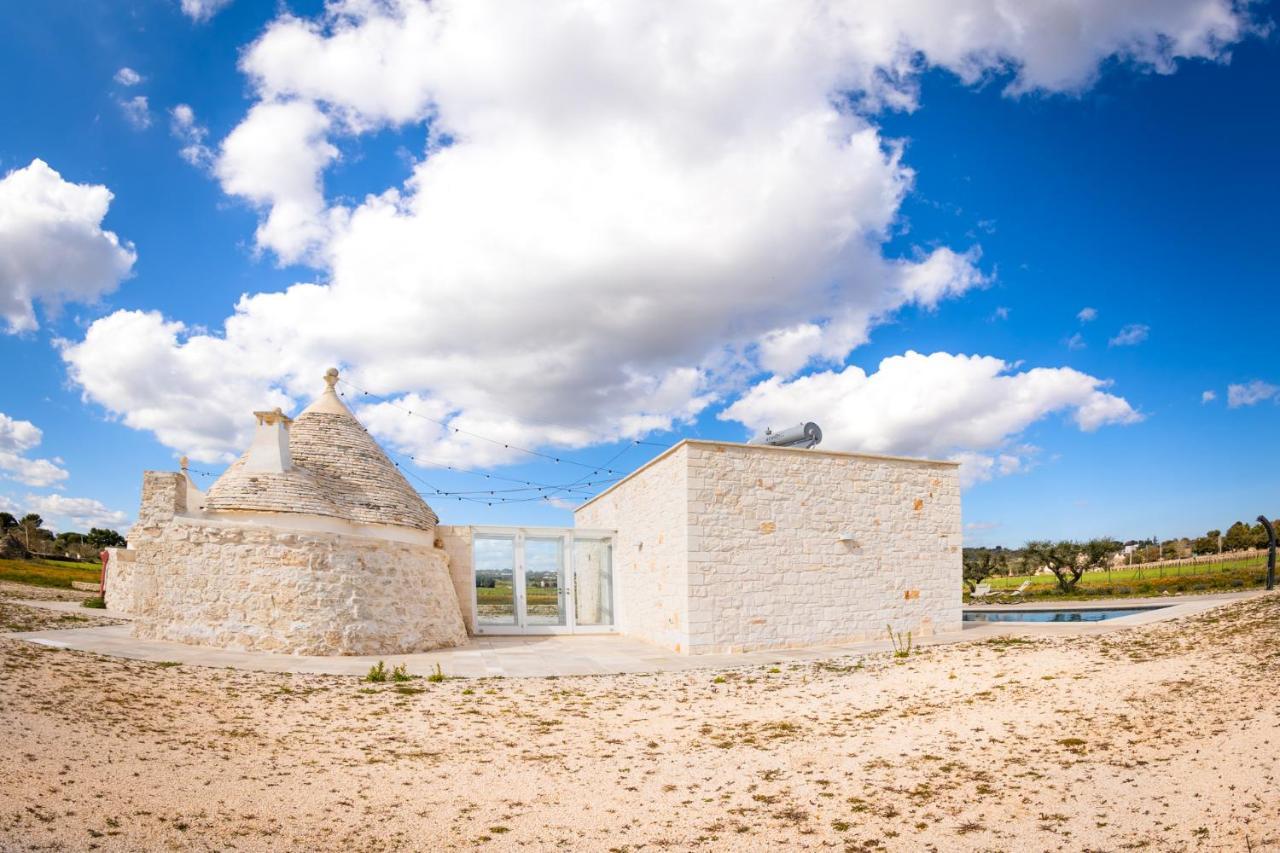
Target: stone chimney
column 269, row 453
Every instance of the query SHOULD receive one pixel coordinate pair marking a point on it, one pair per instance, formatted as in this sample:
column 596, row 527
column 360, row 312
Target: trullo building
column 312, row 542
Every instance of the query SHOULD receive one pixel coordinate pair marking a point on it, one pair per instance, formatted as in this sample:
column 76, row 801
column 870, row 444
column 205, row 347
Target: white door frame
column 567, row 537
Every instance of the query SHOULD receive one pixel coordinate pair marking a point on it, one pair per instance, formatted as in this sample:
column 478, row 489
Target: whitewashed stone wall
column 650, row 553
column 213, row 581
column 456, row 542
column 751, row 557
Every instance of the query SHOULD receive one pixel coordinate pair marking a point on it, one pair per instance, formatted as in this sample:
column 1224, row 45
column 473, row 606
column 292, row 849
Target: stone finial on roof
column 183, row 462
column 331, row 377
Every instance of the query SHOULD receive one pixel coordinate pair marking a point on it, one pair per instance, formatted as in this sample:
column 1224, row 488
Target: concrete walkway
column 544, row 656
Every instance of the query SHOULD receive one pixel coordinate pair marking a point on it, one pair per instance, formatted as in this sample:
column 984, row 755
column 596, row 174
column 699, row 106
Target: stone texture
column 650, row 553
column 295, row 490
column 727, row 547
column 338, row 470
column 214, row 580
column 266, row 589
column 456, row 542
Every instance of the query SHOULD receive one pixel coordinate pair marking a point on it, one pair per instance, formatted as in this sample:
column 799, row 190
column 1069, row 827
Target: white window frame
column 567, row 536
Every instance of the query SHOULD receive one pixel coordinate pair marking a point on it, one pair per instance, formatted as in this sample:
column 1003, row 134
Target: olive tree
column 981, row 563
column 1070, row 560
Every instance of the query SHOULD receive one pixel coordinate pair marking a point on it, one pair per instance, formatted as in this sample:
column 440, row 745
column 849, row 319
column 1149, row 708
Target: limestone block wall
column 649, row 511
column 456, row 541
column 767, row 564
column 727, row 547
column 301, row 592
column 164, row 495
column 118, row 590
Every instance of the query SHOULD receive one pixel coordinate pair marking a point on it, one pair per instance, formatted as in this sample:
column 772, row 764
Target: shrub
column 377, row 673
column 96, row 602
column 401, row 674
column 437, row 676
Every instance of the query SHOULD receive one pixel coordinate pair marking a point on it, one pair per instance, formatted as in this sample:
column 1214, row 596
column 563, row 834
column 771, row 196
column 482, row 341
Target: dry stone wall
column 118, row 588
column 261, row 587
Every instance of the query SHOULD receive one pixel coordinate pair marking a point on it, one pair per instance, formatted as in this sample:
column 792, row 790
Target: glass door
column 592, row 582
column 495, row 570
column 544, row 587
column 542, row 581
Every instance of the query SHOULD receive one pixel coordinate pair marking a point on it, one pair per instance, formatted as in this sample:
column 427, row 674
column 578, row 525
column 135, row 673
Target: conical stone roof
column 338, row 470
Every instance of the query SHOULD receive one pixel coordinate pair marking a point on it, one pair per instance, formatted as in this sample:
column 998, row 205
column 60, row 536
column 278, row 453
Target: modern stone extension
column 728, row 547
column 314, row 543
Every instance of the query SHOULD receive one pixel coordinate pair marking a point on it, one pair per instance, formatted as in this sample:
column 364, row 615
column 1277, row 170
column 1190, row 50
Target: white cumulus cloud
column 620, row 211
column 137, row 111
column 274, row 158
column 126, row 76
column 172, row 386
column 202, row 10
column 184, row 127
column 969, row 408
column 1131, row 335
column 1251, row 393
column 17, row 438
column 53, row 248
column 1087, row 315
column 64, row 513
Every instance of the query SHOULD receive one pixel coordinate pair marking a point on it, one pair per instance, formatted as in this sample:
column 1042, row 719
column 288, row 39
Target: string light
column 581, row 488
column 505, row 444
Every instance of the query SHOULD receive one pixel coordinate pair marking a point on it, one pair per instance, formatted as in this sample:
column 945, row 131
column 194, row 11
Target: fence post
column 1271, row 551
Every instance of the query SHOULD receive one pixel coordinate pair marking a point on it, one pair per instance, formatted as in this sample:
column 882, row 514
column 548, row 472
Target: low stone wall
column 119, row 586
column 456, row 542
column 270, row 589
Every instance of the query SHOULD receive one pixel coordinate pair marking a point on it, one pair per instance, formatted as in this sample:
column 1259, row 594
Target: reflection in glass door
column 593, row 582
column 495, row 570
column 544, row 587
column 543, row 581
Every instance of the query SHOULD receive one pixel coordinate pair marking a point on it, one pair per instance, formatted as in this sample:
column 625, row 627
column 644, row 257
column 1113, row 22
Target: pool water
column 1051, row 615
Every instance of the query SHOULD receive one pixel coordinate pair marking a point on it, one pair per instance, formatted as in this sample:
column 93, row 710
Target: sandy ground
column 1165, row 737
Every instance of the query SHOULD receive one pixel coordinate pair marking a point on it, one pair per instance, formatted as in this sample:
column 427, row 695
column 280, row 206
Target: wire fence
column 1207, row 564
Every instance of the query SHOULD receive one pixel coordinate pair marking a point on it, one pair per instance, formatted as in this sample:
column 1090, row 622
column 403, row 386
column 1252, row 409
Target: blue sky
column 1139, row 185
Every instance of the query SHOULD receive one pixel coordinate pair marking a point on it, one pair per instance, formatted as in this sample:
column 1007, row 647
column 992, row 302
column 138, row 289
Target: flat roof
column 947, row 463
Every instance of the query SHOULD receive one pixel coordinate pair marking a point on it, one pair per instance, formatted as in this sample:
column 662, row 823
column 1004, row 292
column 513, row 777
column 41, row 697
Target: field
column 1236, row 574
column 496, row 600
column 1154, row 738
column 49, row 573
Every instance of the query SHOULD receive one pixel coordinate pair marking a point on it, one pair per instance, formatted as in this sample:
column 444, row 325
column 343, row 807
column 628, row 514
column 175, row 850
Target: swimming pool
column 1060, row 615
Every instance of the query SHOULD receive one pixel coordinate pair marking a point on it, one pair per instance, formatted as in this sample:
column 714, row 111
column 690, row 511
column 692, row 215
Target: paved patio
column 541, row 656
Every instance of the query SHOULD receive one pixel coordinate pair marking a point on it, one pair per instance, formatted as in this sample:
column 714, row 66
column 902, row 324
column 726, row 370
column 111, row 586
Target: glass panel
column 593, row 581
column 495, row 558
column 544, row 581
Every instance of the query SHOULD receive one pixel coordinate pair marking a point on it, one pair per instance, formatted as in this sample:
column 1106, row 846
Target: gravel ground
column 1162, row 737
